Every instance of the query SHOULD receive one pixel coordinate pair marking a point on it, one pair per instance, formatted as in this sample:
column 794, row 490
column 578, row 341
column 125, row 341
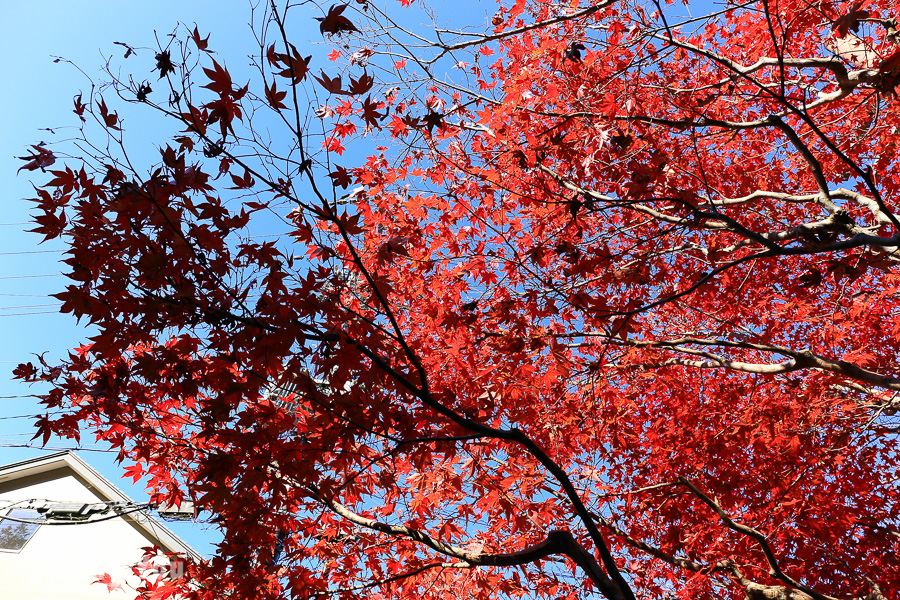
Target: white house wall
column 61, row 561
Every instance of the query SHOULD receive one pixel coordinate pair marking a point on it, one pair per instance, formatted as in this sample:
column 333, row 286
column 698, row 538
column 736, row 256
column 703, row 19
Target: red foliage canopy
column 611, row 306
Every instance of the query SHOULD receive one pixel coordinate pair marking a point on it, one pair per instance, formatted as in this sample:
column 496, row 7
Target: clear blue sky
column 37, row 93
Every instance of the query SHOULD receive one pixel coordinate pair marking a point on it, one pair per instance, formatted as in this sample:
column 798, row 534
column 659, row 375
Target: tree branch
column 559, row 542
column 774, row 570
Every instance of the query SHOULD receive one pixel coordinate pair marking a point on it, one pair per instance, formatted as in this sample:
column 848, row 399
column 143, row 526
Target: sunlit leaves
column 586, row 253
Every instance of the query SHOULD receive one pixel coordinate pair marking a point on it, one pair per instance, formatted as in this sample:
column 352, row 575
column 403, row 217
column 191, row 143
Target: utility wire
column 28, row 306
column 27, row 295
column 58, row 448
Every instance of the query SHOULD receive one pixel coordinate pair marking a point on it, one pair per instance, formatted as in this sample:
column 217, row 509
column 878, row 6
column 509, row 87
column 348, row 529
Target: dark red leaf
column 334, row 22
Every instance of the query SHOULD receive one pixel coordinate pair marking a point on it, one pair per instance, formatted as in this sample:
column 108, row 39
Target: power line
column 31, row 276
column 27, row 295
column 28, row 306
column 57, row 448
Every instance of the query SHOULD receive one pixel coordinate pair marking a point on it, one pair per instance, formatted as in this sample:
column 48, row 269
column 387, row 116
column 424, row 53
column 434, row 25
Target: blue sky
column 38, row 94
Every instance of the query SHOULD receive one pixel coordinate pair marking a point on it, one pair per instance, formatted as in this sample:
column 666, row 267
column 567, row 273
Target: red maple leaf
column 79, row 107
column 106, row 580
column 334, row 22
column 111, row 119
column 201, row 43
column 242, row 183
column 295, row 66
column 274, row 97
column 40, row 158
column 370, row 112
column 850, row 21
column 341, row 177
column 331, row 85
column 220, row 79
column 362, row 85
column 392, row 248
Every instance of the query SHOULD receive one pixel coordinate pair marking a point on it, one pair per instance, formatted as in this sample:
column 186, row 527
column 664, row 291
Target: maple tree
column 610, row 308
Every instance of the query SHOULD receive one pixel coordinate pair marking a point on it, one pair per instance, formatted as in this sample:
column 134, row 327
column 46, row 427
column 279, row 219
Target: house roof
column 101, row 486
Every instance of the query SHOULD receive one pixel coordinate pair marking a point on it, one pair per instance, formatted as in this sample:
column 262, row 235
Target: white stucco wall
column 61, row 561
